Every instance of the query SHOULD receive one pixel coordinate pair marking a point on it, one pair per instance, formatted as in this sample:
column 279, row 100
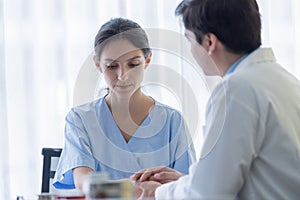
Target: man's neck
column 226, row 61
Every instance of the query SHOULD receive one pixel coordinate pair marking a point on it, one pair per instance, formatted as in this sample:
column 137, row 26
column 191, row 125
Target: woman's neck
column 129, row 113
column 125, row 105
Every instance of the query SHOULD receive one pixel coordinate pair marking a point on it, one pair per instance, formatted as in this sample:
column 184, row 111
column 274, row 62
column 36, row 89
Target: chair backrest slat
column 48, row 171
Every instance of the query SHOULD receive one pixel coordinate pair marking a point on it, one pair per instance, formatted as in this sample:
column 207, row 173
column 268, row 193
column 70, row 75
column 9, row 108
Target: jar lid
column 97, row 177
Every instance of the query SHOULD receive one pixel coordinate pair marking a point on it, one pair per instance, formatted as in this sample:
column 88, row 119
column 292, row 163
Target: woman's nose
column 123, row 73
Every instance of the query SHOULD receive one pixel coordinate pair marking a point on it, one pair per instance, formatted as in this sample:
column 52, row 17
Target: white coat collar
column 257, row 56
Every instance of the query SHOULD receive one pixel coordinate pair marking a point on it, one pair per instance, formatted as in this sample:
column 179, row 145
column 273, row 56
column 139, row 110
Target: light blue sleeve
column 76, row 152
column 182, row 144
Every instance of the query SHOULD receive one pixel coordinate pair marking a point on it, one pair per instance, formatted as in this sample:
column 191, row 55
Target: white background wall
column 43, row 46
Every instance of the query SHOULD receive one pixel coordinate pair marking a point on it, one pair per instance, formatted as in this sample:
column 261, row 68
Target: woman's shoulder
column 166, row 108
column 87, row 107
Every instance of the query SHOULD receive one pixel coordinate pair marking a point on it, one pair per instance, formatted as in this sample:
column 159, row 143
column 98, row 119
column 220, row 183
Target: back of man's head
column 236, row 23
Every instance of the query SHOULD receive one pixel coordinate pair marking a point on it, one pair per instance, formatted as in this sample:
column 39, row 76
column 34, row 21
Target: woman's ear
column 148, row 59
column 97, row 63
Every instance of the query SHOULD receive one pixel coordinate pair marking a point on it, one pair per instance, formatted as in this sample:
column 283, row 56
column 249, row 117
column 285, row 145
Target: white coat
column 252, row 137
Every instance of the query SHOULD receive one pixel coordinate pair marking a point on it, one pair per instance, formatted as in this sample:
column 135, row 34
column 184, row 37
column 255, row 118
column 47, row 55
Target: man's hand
column 146, row 189
column 158, row 174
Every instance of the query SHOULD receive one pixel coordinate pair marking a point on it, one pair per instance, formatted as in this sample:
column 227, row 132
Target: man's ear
column 210, row 42
column 148, row 59
column 97, row 63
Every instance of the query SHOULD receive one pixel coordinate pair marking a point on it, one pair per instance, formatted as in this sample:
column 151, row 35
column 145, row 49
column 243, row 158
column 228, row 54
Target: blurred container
column 46, row 196
column 70, row 197
column 99, row 187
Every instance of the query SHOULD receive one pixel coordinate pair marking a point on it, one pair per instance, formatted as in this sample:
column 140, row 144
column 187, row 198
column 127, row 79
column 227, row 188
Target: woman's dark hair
column 236, row 23
column 120, row 28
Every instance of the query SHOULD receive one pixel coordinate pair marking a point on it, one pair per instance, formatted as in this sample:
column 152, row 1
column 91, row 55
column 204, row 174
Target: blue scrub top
column 93, row 139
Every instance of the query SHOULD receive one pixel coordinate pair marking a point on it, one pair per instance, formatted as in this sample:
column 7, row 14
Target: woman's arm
column 80, row 175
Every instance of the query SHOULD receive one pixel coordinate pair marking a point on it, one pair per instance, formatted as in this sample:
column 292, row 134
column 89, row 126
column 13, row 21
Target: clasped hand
column 147, row 180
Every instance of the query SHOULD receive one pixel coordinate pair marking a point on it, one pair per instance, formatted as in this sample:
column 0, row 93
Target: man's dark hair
column 236, row 23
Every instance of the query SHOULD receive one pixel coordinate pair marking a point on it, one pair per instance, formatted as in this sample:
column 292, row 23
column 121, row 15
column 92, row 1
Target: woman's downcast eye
column 116, row 65
column 111, row 66
column 134, row 63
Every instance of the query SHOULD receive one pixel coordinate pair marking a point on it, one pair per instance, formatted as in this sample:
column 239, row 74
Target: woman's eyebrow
column 112, row 60
column 135, row 57
column 109, row 59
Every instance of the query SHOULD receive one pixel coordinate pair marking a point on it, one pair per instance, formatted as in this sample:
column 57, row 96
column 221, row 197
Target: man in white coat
column 252, row 134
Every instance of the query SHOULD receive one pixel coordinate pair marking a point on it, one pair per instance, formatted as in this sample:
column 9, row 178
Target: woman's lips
column 123, row 86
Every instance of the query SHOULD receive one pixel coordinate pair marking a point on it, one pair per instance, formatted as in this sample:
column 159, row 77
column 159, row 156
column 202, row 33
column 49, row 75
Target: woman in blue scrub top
column 125, row 131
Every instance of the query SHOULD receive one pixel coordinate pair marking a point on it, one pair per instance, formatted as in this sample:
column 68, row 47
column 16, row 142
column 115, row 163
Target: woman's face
column 123, row 66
